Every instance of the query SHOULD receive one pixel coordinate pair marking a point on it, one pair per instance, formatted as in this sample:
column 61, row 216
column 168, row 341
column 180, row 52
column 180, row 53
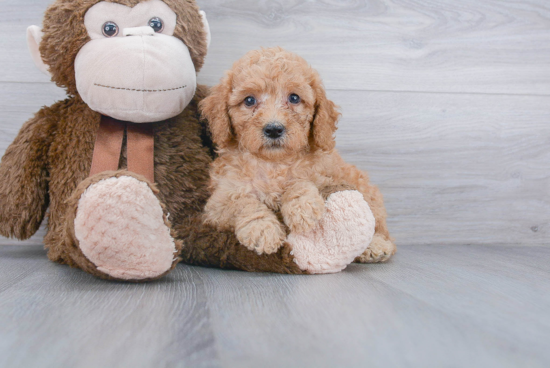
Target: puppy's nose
column 274, row 130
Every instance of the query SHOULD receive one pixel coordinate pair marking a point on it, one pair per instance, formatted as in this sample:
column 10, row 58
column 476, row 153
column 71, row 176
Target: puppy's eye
column 157, row 24
column 250, row 101
column 294, row 99
column 110, row 29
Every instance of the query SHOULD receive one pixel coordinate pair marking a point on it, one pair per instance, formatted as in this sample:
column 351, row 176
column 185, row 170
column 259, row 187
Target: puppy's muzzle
column 274, row 130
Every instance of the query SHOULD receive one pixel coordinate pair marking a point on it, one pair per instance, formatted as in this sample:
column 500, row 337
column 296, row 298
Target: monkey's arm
column 24, row 178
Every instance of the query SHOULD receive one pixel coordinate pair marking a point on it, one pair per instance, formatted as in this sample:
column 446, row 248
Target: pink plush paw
column 343, row 233
column 120, row 227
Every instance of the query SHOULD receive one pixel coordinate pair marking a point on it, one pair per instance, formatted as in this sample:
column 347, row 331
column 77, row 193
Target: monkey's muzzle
column 140, row 78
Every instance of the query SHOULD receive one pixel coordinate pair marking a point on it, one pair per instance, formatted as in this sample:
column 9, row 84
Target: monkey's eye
column 294, row 99
column 110, row 29
column 157, row 24
column 250, row 101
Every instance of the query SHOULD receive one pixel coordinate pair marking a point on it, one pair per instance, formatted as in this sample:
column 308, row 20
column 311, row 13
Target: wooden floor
column 445, row 103
column 446, row 306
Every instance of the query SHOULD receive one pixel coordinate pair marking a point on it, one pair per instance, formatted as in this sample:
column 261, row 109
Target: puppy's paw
column 303, row 213
column 264, row 236
column 379, row 250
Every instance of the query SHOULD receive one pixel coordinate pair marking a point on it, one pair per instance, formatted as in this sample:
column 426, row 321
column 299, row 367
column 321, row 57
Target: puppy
column 274, row 130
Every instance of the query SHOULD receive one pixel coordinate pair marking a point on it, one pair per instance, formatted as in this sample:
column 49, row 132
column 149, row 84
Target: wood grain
column 454, row 168
column 395, row 45
column 457, row 306
column 488, row 46
column 446, row 104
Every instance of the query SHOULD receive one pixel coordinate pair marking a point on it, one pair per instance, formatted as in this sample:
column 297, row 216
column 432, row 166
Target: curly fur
column 45, row 170
column 254, row 176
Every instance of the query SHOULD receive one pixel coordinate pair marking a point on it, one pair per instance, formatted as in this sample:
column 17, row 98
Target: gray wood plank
column 454, row 168
column 467, row 164
column 431, row 306
column 17, row 65
column 407, row 313
column 474, row 46
column 62, row 317
column 406, row 45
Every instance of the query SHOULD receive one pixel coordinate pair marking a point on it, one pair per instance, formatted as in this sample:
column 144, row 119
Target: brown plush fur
column 53, row 154
column 48, row 164
column 65, row 34
column 256, row 176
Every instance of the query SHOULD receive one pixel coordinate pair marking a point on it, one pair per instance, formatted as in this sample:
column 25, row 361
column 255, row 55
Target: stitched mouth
column 140, row 90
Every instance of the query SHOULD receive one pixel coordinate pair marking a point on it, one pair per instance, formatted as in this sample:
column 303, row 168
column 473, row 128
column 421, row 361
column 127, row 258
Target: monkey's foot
column 121, row 228
column 342, row 234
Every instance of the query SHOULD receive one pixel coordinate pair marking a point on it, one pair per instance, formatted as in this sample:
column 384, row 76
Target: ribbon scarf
column 140, row 149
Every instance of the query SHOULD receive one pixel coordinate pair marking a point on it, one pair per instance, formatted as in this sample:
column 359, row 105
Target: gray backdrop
column 445, row 103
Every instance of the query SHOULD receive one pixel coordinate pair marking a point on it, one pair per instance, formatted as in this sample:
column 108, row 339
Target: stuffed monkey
column 120, row 167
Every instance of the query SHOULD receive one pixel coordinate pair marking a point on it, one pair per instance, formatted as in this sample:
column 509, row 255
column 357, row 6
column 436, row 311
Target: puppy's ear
column 325, row 119
column 215, row 110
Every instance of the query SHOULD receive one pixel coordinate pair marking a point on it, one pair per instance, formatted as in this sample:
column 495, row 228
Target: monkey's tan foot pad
column 344, row 232
column 121, row 229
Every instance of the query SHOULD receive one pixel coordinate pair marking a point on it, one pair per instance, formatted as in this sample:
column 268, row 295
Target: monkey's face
column 133, row 68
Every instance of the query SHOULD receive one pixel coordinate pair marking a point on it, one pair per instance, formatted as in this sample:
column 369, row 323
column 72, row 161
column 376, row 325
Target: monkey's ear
column 34, row 37
column 206, row 28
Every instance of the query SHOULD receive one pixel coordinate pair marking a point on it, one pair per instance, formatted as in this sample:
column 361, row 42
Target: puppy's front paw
column 303, row 213
column 262, row 235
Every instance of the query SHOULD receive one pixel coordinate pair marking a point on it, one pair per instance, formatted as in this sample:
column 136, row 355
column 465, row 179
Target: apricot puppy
column 274, row 130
